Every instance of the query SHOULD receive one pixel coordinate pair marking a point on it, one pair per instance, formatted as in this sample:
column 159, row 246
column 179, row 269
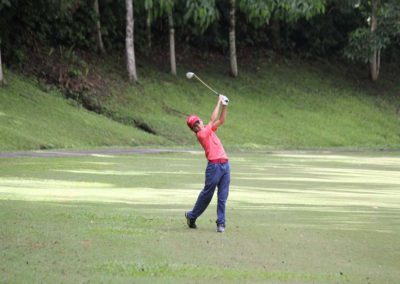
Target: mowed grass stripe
column 120, row 219
column 275, row 182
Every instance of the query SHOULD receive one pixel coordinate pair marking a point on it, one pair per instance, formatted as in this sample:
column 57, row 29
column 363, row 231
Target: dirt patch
column 87, row 244
column 38, row 246
column 173, row 111
column 145, row 127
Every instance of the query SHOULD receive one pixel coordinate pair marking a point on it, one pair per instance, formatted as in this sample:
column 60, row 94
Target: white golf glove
column 224, row 100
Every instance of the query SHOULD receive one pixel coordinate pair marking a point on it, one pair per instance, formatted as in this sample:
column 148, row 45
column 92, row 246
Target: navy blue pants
column 217, row 175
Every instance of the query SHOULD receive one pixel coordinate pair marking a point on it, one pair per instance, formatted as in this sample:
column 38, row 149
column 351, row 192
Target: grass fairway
column 292, row 217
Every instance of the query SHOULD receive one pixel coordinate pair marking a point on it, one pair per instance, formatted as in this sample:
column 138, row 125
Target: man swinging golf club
column 218, row 169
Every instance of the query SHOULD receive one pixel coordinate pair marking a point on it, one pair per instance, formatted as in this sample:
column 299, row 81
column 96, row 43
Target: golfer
column 217, row 171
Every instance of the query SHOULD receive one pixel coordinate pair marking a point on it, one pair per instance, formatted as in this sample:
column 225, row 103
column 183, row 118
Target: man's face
column 198, row 125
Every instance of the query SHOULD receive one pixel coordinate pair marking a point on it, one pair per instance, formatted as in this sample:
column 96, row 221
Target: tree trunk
column 276, row 34
column 99, row 38
column 1, row 69
column 232, row 40
column 172, row 42
column 148, row 29
column 376, row 54
column 129, row 42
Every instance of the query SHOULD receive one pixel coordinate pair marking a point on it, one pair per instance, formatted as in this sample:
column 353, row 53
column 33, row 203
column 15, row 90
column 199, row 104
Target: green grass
column 292, row 217
column 34, row 119
column 294, row 105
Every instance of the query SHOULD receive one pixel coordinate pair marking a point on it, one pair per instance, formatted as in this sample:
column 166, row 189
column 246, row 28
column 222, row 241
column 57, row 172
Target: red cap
column 191, row 120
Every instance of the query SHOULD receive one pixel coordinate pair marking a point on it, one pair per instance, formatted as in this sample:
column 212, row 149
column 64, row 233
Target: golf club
column 190, row 75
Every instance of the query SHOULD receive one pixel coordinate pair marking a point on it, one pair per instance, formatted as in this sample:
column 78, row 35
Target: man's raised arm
column 215, row 121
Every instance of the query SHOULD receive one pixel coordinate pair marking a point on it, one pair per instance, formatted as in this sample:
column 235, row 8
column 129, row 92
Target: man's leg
column 213, row 174
column 223, row 192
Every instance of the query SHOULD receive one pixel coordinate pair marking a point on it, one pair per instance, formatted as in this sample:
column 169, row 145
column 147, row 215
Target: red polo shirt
column 211, row 144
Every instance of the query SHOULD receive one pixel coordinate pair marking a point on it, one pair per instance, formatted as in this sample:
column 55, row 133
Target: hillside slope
column 291, row 105
column 273, row 106
column 33, row 119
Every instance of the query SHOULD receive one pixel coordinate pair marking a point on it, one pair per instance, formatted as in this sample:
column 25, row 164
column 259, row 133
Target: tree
column 259, row 12
column 232, row 39
column 292, row 11
column 172, row 42
column 99, row 38
column 375, row 60
column 200, row 14
column 3, row 3
column 167, row 7
column 381, row 29
column 148, row 6
column 1, row 69
column 129, row 42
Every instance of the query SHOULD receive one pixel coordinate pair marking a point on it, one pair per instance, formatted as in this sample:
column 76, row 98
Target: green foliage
column 41, row 22
column 158, row 8
column 326, row 34
column 293, row 10
column 200, row 14
column 167, row 5
column 363, row 42
column 257, row 12
column 310, row 27
column 4, row 3
column 74, row 72
column 112, row 14
column 390, row 20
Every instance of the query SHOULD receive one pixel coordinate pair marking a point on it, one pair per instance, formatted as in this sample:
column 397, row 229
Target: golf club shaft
column 215, row 92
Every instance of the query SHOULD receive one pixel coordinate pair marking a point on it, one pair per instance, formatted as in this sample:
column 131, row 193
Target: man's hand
column 224, row 100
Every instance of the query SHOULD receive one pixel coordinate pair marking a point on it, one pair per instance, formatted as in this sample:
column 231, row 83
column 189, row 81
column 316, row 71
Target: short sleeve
column 208, row 130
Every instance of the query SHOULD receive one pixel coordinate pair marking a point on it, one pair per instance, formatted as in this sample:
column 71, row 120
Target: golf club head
column 189, row 75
